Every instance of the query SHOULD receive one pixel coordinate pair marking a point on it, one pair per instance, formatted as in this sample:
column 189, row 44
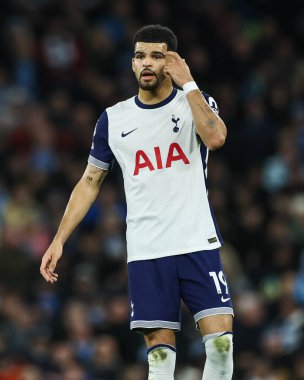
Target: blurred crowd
column 61, row 64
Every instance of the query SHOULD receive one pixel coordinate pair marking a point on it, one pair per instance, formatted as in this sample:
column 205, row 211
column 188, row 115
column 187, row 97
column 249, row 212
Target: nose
column 147, row 61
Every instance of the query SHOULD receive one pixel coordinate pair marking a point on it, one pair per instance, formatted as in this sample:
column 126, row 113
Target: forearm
column 81, row 199
column 209, row 126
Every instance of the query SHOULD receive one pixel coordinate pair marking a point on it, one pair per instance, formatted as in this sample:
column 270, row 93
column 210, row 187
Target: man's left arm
column 209, row 126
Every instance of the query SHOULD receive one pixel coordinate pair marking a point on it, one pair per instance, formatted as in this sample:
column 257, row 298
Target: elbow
column 217, row 142
column 218, row 139
column 215, row 138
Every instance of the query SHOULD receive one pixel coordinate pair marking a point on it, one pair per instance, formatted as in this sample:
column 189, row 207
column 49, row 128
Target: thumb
column 52, row 264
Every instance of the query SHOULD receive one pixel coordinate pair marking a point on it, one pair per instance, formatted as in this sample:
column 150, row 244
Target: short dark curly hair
column 156, row 33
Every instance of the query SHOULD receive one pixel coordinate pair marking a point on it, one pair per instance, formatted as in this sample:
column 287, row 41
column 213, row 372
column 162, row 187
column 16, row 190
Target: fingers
column 172, row 54
column 53, row 277
column 177, row 68
column 48, row 265
column 170, row 59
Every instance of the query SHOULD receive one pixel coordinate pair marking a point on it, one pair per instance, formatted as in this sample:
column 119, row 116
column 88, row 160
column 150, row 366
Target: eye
column 138, row 56
column 157, row 56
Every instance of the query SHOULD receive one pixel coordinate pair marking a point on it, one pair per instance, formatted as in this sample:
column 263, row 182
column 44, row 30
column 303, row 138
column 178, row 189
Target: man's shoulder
column 180, row 95
column 124, row 104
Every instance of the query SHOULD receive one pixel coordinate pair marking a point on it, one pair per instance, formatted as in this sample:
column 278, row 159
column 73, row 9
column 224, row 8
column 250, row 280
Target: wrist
column 58, row 240
column 190, row 86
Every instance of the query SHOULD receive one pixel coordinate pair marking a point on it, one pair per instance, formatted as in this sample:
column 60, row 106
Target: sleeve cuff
column 99, row 164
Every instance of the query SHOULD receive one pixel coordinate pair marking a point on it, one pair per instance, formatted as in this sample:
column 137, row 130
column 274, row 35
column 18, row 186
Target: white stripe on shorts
column 213, row 311
column 155, row 325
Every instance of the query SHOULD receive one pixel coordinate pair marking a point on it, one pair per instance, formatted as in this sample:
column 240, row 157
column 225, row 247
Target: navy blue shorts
column 157, row 287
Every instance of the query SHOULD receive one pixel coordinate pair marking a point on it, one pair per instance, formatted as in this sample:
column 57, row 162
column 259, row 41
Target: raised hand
column 177, row 68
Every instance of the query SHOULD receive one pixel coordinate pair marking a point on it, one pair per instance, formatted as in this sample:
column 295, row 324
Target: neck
column 155, row 96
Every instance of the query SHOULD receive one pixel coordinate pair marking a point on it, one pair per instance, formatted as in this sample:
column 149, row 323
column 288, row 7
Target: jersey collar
column 156, row 105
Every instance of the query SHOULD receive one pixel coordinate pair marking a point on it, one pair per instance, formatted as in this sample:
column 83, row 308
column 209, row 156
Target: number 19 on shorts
column 220, row 281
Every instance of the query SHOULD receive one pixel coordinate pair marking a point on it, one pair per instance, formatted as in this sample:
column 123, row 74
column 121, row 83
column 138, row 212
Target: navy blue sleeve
column 212, row 103
column 101, row 154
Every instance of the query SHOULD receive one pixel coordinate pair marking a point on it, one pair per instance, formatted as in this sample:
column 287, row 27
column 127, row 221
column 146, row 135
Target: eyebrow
column 152, row 52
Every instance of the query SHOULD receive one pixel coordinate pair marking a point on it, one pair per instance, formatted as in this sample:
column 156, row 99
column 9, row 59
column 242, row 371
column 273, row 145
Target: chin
column 148, row 86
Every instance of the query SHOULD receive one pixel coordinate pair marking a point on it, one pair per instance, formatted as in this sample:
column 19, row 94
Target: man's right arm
column 81, row 199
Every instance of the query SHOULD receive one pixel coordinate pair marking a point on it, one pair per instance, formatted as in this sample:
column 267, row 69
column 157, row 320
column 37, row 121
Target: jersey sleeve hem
column 99, row 164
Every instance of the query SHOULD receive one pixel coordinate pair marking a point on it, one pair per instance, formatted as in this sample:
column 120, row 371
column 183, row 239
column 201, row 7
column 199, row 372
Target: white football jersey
column 164, row 166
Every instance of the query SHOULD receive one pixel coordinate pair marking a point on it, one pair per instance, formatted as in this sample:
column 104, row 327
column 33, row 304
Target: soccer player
column 161, row 139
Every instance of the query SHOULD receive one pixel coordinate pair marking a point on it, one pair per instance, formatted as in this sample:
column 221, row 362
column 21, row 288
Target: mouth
column 147, row 75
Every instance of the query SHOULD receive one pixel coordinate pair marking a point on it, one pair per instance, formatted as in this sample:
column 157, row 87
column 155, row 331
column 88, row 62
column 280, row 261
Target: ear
column 133, row 65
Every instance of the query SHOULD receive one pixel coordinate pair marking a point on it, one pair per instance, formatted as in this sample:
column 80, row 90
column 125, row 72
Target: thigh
column 204, row 286
column 154, row 294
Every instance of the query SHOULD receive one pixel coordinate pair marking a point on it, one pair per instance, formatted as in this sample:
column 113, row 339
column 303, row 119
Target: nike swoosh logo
column 126, row 134
column 225, row 299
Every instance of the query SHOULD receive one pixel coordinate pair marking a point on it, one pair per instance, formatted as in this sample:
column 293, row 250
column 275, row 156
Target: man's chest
column 146, row 129
column 149, row 141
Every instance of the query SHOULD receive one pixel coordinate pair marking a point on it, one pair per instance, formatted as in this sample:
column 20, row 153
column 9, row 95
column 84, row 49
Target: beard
column 152, row 85
column 148, row 86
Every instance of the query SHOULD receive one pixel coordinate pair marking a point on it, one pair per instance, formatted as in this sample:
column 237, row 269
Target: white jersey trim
column 99, row 164
column 213, row 311
column 155, row 324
